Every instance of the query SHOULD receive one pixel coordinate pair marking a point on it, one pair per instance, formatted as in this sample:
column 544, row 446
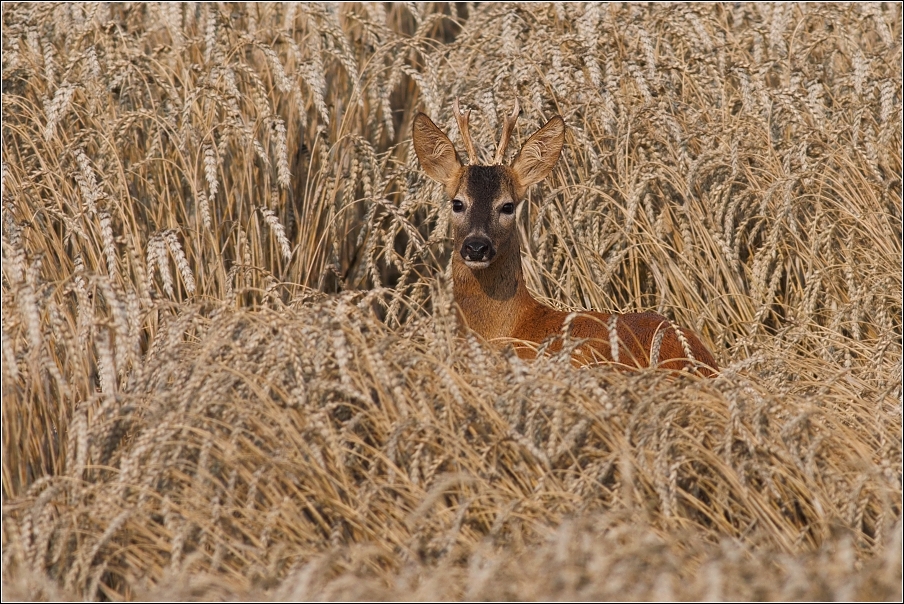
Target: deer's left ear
column 538, row 155
column 436, row 153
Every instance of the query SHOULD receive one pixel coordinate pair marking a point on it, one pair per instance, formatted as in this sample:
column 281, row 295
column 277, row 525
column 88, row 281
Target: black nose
column 476, row 249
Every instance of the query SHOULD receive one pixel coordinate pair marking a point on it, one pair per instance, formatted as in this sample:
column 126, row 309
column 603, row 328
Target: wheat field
column 231, row 366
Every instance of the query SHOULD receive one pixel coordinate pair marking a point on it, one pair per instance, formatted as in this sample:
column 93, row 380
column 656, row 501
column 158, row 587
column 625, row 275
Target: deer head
column 484, row 198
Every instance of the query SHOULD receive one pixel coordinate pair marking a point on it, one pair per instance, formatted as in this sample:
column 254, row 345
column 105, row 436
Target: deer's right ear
column 436, row 153
column 539, row 155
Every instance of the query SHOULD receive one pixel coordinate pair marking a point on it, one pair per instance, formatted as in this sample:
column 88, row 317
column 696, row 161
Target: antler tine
column 462, row 119
column 507, row 133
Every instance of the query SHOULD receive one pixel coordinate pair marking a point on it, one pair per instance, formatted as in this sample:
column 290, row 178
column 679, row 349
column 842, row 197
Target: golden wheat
column 230, row 361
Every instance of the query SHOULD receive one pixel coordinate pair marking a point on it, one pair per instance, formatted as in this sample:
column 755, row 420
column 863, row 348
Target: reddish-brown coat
column 636, row 335
column 494, row 302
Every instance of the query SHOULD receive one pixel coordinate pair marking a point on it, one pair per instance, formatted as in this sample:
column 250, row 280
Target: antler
column 462, row 119
column 506, row 133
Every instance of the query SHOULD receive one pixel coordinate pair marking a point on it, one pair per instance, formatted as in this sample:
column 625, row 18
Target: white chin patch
column 471, row 264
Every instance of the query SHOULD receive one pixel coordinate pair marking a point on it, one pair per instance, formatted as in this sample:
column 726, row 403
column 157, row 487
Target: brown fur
column 490, row 293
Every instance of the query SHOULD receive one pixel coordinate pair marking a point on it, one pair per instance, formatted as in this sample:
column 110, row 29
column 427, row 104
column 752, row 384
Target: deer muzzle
column 477, row 250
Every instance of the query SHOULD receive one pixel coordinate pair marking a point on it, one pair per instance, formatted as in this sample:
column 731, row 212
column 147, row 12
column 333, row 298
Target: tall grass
column 230, row 361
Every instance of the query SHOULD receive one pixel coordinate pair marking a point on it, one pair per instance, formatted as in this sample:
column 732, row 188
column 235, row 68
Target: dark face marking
column 481, row 226
column 484, row 183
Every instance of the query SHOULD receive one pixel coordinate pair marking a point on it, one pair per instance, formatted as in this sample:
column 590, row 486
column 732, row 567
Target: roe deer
column 488, row 283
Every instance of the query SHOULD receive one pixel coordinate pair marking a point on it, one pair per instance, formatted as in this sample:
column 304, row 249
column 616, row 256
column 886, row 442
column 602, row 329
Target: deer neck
column 491, row 299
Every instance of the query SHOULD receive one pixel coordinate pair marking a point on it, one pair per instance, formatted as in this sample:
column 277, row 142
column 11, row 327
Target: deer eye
column 507, row 208
column 457, row 205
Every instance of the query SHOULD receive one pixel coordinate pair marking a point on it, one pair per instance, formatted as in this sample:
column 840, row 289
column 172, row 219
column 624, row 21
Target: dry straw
column 230, row 362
